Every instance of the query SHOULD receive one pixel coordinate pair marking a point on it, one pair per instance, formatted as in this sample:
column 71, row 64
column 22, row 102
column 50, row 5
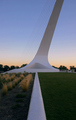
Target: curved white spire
column 47, row 38
column 40, row 62
column 42, row 53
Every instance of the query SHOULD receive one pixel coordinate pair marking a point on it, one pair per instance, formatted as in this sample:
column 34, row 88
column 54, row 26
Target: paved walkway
column 36, row 110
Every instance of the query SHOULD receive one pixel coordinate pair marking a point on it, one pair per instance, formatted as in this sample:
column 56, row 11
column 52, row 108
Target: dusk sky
column 22, row 26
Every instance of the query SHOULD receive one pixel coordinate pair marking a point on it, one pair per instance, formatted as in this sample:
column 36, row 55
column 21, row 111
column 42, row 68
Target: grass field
column 59, row 95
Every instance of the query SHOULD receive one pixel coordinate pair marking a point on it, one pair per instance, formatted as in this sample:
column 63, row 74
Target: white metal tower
column 40, row 62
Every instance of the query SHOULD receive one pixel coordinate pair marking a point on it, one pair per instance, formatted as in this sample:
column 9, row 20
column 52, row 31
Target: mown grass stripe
column 59, row 95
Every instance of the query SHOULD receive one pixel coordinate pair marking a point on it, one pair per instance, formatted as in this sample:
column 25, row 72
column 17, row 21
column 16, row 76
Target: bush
column 4, row 89
column 26, row 82
column 13, row 84
column 10, row 86
column 21, row 76
column 16, row 81
column 25, row 73
column 12, row 77
column 18, row 74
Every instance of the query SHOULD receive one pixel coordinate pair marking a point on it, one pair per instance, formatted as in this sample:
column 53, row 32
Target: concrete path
column 36, row 110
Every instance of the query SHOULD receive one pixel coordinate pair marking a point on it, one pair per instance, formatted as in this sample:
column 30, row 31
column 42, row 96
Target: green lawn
column 59, row 95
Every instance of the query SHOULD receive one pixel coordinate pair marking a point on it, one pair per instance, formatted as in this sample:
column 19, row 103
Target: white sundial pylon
column 40, row 62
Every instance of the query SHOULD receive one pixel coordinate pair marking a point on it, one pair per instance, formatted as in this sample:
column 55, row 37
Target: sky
column 22, row 26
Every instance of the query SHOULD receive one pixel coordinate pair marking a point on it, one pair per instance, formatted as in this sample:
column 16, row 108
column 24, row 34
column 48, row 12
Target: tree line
column 63, row 68
column 7, row 68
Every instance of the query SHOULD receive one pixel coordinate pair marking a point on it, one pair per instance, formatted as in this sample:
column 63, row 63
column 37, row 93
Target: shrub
column 0, row 75
column 5, row 77
column 16, row 81
column 12, row 77
column 26, row 82
column 13, row 84
column 21, row 76
column 0, row 83
column 4, row 89
column 18, row 74
column 8, row 78
column 25, row 73
column 10, row 86
column 29, row 77
column 23, row 85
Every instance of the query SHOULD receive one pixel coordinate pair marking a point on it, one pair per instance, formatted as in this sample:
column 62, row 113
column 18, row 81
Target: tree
column 62, row 68
column 72, row 67
column 75, row 69
column 17, row 67
column 55, row 67
column 6, row 68
column 1, row 67
column 12, row 67
column 23, row 65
